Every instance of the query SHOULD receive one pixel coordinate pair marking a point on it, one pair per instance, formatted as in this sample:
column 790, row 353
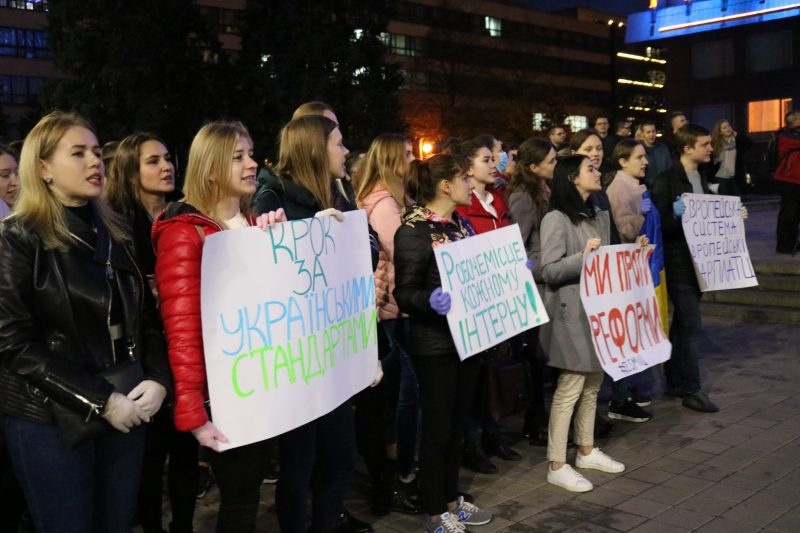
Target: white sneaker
column 597, row 460
column 566, row 477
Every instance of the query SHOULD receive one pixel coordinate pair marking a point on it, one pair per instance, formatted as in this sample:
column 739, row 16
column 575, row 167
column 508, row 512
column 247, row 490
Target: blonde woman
column 220, row 178
column 84, row 364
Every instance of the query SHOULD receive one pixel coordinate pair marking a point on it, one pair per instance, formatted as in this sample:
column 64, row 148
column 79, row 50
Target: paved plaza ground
column 736, row 470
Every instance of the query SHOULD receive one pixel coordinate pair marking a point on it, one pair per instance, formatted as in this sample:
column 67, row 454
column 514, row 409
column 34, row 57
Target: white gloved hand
column 209, row 436
column 378, row 375
column 271, row 218
column 123, row 413
column 335, row 213
column 743, row 213
column 713, row 187
column 148, row 395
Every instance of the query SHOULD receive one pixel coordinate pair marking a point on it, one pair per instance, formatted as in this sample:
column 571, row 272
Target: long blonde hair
column 717, row 139
column 303, row 156
column 37, row 206
column 211, row 155
column 385, row 162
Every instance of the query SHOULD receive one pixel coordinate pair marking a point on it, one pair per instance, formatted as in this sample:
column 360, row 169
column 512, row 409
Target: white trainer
column 566, row 477
column 597, row 460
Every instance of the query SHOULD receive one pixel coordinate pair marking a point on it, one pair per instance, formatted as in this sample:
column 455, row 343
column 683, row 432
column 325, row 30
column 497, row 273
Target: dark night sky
column 620, row 7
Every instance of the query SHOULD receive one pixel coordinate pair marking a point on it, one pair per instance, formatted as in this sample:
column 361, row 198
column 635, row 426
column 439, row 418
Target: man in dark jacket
column 683, row 371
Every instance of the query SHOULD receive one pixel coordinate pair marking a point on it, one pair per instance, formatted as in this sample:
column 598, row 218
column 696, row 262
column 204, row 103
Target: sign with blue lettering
column 289, row 323
column 493, row 293
column 715, row 233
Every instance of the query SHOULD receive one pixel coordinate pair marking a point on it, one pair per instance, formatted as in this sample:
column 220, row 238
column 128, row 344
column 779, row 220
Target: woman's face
column 156, row 171
column 483, row 167
column 588, row 179
column 405, row 164
column 636, row 164
column 9, row 179
column 726, row 129
column 243, row 169
column 75, row 171
column 459, row 189
column 336, row 154
column 592, row 148
column 546, row 167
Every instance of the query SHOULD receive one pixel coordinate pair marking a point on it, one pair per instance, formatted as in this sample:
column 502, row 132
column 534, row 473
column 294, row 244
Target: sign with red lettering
column 714, row 231
column 620, row 302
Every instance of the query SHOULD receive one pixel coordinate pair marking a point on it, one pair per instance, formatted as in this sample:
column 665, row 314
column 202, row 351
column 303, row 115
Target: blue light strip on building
column 707, row 15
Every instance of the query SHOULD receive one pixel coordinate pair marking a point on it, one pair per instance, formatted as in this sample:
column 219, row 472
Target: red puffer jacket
column 179, row 251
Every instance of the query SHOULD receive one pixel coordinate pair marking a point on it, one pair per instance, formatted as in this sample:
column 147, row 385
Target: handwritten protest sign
column 715, row 234
column 493, row 293
column 619, row 299
column 289, row 323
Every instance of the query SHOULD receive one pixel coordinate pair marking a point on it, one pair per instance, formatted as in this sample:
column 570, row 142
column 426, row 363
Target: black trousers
column 239, row 473
column 447, row 387
column 788, row 216
column 164, row 440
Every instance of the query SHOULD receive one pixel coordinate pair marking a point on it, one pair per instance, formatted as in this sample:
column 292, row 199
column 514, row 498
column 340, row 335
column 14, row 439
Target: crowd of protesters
column 102, row 372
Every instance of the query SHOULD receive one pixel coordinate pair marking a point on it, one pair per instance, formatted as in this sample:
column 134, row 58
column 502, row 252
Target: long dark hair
column 564, row 196
column 425, row 175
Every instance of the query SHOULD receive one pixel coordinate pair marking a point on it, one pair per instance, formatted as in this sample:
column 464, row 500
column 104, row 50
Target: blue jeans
column 683, row 368
column 408, row 401
column 317, row 460
column 92, row 487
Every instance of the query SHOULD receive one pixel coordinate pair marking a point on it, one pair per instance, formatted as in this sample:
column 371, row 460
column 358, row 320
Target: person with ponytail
column 446, row 384
column 528, row 197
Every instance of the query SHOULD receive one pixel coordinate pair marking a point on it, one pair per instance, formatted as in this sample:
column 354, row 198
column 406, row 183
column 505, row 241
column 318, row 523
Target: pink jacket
column 625, row 197
column 383, row 214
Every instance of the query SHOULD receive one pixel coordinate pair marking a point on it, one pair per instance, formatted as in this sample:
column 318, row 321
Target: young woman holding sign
column 572, row 229
column 316, row 459
column 220, row 178
column 446, row 384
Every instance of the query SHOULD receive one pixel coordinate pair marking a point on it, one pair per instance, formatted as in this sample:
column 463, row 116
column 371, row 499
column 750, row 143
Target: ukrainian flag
column 652, row 228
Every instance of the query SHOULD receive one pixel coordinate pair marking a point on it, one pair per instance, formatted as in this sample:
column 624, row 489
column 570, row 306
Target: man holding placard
column 693, row 143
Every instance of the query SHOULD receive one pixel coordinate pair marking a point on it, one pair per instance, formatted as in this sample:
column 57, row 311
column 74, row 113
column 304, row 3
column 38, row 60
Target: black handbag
column 75, row 428
column 505, row 382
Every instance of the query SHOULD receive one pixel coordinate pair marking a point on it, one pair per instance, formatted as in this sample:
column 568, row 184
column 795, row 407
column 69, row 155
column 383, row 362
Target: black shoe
column 506, row 453
column 204, row 481
column 477, row 461
column 628, row 410
column 396, row 502
column 347, row 523
column 602, row 428
column 640, row 399
column 699, row 401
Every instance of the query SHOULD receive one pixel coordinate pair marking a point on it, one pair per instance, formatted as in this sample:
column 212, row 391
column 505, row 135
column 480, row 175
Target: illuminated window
column 537, row 121
column 577, row 122
column 402, row 45
column 767, row 115
column 493, row 26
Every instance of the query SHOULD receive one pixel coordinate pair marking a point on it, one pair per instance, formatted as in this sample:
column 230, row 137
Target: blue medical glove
column 530, row 264
column 678, row 207
column 440, row 301
column 646, row 206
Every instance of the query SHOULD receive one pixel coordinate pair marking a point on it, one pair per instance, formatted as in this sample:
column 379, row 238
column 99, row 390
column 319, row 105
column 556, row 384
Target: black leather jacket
column 55, row 308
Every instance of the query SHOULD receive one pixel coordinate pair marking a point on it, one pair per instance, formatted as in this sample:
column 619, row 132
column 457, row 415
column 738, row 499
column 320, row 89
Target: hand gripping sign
column 493, row 293
column 289, row 323
column 714, row 231
column 620, row 303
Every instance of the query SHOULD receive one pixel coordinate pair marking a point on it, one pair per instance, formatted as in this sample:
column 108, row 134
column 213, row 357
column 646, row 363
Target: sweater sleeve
column 179, row 254
column 523, row 213
column 625, row 206
column 385, row 220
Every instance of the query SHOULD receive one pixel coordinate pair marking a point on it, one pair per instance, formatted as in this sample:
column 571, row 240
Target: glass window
column 767, row 115
column 493, row 26
column 577, row 122
column 713, row 59
column 769, row 51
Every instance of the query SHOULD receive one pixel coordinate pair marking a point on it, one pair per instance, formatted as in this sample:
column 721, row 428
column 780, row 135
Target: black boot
column 476, row 459
column 347, row 523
